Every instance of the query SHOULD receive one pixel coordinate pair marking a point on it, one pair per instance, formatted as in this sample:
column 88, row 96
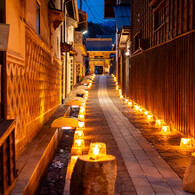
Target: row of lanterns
column 97, row 150
column 150, row 118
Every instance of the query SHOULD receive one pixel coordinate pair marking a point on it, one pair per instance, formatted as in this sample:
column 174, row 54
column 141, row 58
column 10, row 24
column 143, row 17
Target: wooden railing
column 7, row 156
column 162, row 79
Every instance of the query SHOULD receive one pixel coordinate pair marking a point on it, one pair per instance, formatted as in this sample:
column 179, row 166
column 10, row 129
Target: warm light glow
column 85, row 32
column 66, row 128
column 82, row 110
column 81, row 124
column 137, row 107
column 79, row 143
column 120, row 91
column 130, row 103
column 83, row 104
column 127, row 53
column 97, row 151
column 146, row 112
column 86, row 95
column 75, row 106
column 141, row 109
column 81, row 117
column 79, row 134
column 121, row 97
column 116, row 83
column 73, row 161
column 126, row 100
column 149, row 117
column 85, row 98
column 165, row 130
column 117, row 87
column 158, row 123
column 186, row 143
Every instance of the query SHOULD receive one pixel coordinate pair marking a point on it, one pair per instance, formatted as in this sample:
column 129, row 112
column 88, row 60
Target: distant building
column 99, row 50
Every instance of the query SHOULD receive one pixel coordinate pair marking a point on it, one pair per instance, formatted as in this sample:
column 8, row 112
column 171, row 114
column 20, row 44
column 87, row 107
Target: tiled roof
column 122, row 16
column 99, row 45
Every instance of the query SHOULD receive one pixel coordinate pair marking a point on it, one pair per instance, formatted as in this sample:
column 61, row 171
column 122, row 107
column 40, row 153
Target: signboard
column 4, row 34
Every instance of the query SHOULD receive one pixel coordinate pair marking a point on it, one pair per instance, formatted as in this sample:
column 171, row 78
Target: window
column 159, row 17
column 37, row 18
column 159, row 12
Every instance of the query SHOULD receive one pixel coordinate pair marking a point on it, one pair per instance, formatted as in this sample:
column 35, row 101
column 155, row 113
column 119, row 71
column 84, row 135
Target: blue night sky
column 94, row 9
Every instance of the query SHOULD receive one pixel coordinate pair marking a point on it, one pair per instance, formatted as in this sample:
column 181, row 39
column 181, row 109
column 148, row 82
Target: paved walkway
column 149, row 173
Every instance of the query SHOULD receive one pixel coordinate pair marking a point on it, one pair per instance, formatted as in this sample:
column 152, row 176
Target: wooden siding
column 162, row 80
column 179, row 19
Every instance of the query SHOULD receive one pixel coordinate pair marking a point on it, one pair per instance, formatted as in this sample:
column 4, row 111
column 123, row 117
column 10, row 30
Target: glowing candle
column 81, row 124
column 146, row 112
column 79, row 134
column 137, row 107
column 165, row 130
column 82, row 110
column 79, row 143
column 81, row 117
column 130, row 103
column 149, row 117
column 97, row 151
column 158, row 123
column 186, row 143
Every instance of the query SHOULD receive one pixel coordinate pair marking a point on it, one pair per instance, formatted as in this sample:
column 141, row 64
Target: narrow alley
column 140, row 168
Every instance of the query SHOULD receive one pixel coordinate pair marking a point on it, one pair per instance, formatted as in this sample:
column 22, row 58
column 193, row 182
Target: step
column 34, row 161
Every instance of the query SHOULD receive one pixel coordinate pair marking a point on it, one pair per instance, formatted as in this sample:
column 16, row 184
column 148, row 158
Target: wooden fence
column 162, row 79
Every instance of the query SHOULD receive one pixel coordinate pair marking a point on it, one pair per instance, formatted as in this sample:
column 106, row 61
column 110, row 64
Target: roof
column 98, row 44
column 122, row 16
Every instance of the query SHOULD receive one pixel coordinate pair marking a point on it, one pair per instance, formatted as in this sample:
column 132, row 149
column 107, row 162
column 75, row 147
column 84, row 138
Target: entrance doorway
column 98, row 69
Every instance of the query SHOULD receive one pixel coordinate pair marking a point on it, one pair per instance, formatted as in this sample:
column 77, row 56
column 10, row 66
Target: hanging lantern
column 97, row 151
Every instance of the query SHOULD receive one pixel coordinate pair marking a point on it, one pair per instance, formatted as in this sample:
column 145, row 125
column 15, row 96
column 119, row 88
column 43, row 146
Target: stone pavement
column 149, row 173
column 97, row 130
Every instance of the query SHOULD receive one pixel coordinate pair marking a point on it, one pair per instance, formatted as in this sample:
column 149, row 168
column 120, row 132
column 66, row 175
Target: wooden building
column 99, row 50
column 161, row 72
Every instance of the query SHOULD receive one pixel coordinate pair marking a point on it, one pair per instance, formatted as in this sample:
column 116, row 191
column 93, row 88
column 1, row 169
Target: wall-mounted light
column 84, row 32
column 127, row 53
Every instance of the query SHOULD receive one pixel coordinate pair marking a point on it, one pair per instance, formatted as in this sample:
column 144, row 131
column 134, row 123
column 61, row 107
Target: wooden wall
column 179, row 19
column 162, row 80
